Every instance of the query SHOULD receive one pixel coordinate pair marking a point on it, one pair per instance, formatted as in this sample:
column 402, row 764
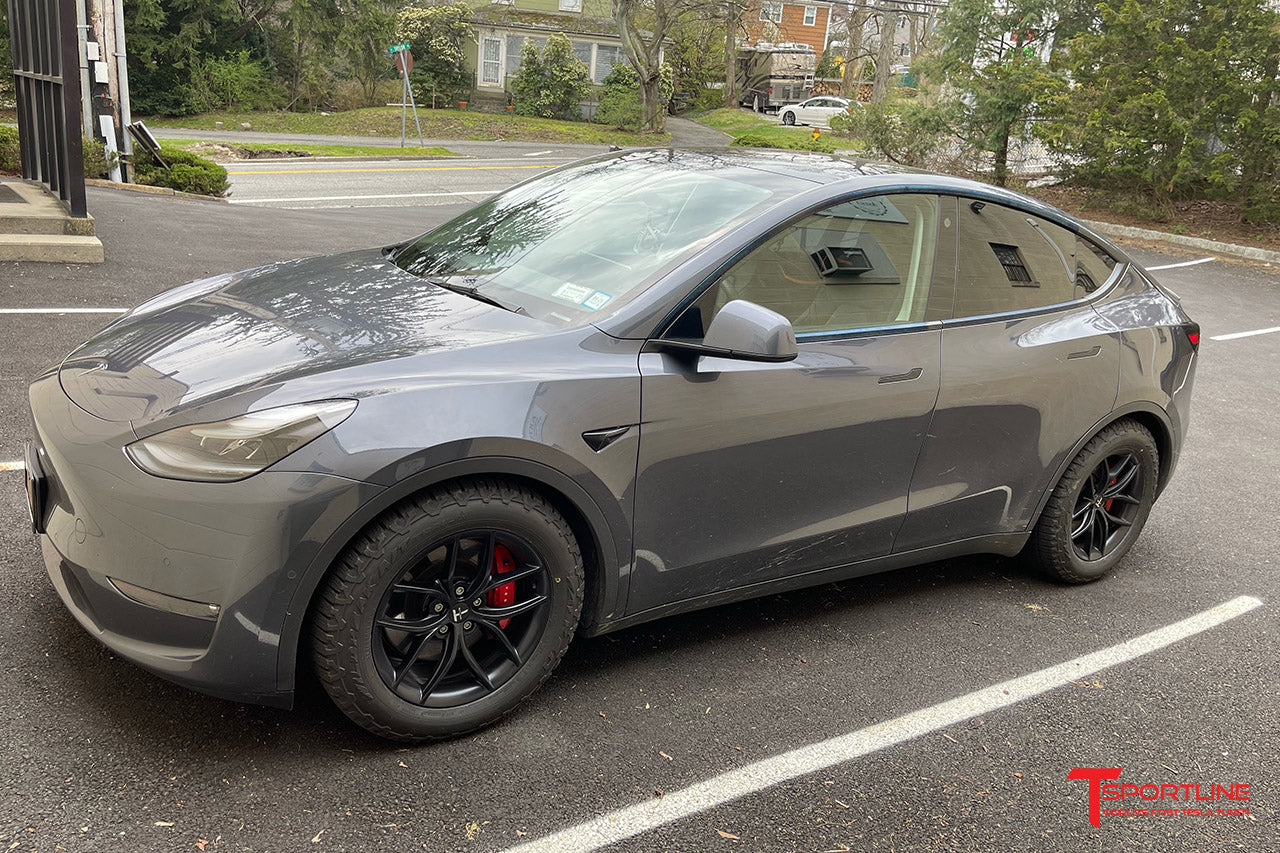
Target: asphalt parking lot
column 100, row 756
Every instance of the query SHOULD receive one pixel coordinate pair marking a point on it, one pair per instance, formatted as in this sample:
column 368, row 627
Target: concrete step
column 52, row 248
column 35, row 223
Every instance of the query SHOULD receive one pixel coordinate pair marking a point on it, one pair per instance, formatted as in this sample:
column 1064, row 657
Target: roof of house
column 548, row 22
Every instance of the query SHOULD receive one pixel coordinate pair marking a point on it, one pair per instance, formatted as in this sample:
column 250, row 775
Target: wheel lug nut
column 460, row 591
column 439, row 608
column 466, row 626
column 477, row 602
column 444, row 629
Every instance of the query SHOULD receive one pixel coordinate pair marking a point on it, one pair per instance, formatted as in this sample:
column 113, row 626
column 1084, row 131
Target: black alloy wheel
column 1107, row 505
column 461, row 619
column 1098, row 508
column 448, row 611
column 789, row 119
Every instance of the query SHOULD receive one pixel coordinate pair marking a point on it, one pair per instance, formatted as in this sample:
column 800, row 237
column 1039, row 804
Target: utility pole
column 106, row 78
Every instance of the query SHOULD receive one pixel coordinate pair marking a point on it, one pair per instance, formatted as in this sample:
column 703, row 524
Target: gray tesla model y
column 640, row 384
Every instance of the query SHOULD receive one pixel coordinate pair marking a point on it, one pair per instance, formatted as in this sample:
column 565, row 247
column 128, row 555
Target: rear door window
column 1010, row 260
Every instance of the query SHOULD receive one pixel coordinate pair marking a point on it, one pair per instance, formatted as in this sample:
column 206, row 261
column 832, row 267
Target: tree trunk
column 1001, row 174
column 855, row 27
column 731, row 12
column 884, row 56
column 654, row 115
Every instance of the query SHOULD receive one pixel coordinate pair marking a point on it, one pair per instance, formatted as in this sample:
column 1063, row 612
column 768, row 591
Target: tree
column 1175, row 99
column 368, row 26
column 855, row 25
column 551, row 83
column 438, row 35
column 992, row 56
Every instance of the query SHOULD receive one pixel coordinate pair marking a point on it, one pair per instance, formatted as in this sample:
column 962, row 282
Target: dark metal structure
column 46, row 77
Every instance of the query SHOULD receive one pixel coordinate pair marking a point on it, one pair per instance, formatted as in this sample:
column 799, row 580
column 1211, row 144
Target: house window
column 1014, row 267
column 490, row 61
column 810, row 15
column 607, row 56
column 771, row 12
column 570, row 5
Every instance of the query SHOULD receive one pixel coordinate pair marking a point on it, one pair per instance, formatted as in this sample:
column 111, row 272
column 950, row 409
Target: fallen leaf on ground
column 664, row 755
column 202, row 843
column 164, row 823
column 724, row 834
column 316, row 840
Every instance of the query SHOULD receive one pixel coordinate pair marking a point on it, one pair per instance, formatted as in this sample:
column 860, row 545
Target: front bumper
column 191, row 581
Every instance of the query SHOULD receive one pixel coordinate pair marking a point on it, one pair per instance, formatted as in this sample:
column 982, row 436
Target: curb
column 148, row 190
column 1249, row 253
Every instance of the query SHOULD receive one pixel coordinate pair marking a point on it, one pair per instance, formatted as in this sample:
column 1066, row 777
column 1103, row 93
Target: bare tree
column 855, row 35
column 884, row 56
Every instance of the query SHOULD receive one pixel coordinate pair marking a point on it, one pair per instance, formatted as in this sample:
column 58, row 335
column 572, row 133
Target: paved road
column 99, row 756
column 381, row 183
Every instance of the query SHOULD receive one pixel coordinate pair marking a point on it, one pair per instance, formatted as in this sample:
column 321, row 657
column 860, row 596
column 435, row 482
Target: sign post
column 402, row 57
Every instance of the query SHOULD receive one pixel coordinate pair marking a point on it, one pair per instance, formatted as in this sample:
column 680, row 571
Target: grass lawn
column 436, row 124
column 252, row 150
column 768, row 132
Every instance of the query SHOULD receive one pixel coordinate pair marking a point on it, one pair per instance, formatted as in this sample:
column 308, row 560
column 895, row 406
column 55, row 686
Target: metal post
column 404, row 104
column 82, row 36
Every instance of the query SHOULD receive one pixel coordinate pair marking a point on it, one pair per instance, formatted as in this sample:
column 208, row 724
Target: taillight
column 1193, row 333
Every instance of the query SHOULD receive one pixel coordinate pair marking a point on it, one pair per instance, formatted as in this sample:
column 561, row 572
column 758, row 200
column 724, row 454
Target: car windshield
column 586, row 237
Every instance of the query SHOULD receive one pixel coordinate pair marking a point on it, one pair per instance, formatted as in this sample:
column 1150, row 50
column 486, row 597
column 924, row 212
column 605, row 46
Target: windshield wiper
column 474, row 293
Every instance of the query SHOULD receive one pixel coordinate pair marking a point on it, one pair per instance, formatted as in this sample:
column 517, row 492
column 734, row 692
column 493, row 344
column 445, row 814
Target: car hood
column 263, row 326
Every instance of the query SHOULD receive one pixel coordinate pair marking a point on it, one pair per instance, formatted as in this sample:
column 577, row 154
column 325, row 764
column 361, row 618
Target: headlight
column 239, row 447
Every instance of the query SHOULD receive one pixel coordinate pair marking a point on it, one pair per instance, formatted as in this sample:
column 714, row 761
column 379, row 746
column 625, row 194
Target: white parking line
column 63, row 310
column 634, row 820
column 12, row 465
column 537, row 153
column 357, row 197
column 1183, row 264
column 1234, row 335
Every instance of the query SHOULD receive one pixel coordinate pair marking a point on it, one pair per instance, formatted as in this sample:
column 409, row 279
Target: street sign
column 403, row 61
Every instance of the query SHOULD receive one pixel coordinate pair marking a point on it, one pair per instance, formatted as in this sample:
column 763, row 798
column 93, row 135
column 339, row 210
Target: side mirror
column 750, row 331
column 742, row 330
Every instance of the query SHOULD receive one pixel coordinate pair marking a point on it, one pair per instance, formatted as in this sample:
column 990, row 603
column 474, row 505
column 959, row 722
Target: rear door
column 1028, row 368
column 750, row 472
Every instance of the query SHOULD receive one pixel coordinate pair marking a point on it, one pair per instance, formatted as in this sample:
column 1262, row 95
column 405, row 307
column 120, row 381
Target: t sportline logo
column 1102, row 790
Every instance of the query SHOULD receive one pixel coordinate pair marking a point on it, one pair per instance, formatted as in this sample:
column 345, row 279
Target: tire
column 1080, row 505
column 789, row 119
column 424, row 579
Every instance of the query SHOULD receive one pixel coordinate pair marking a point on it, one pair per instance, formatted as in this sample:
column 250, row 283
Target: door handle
column 1088, row 353
column 913, row 373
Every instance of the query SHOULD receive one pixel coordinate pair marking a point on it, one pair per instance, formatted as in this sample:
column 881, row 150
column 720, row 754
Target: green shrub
column 753, row 140
column 187, row 172
column 439, row 35
column 903, row 132
column 97, row 161
column 620, row 98
column 550, row 83
column 10, row 156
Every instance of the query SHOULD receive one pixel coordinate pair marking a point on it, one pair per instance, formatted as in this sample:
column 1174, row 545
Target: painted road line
column 358, row 197
column 396, row 169
column 1234, row 335
column 12, row 465
column 675, row 805
column 537, row 153
column 1183, row 264
column 63, row 310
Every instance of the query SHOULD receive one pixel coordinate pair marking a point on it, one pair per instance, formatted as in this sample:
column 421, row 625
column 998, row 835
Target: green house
column 502, row 27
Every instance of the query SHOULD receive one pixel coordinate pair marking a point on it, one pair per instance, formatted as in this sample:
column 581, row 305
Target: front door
column 750, row 472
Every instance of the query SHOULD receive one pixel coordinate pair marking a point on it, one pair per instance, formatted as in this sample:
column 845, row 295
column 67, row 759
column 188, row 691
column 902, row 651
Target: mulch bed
column 1212, row 220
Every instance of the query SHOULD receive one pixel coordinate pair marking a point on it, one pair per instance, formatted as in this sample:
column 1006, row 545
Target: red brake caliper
column 505, row 595
column 1110, row 501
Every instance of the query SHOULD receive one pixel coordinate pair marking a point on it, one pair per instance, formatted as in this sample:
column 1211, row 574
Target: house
column 502, row 27
column 787, row 22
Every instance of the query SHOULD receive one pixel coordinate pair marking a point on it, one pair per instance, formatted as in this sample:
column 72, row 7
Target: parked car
column 816, row 111
column 641, row 384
